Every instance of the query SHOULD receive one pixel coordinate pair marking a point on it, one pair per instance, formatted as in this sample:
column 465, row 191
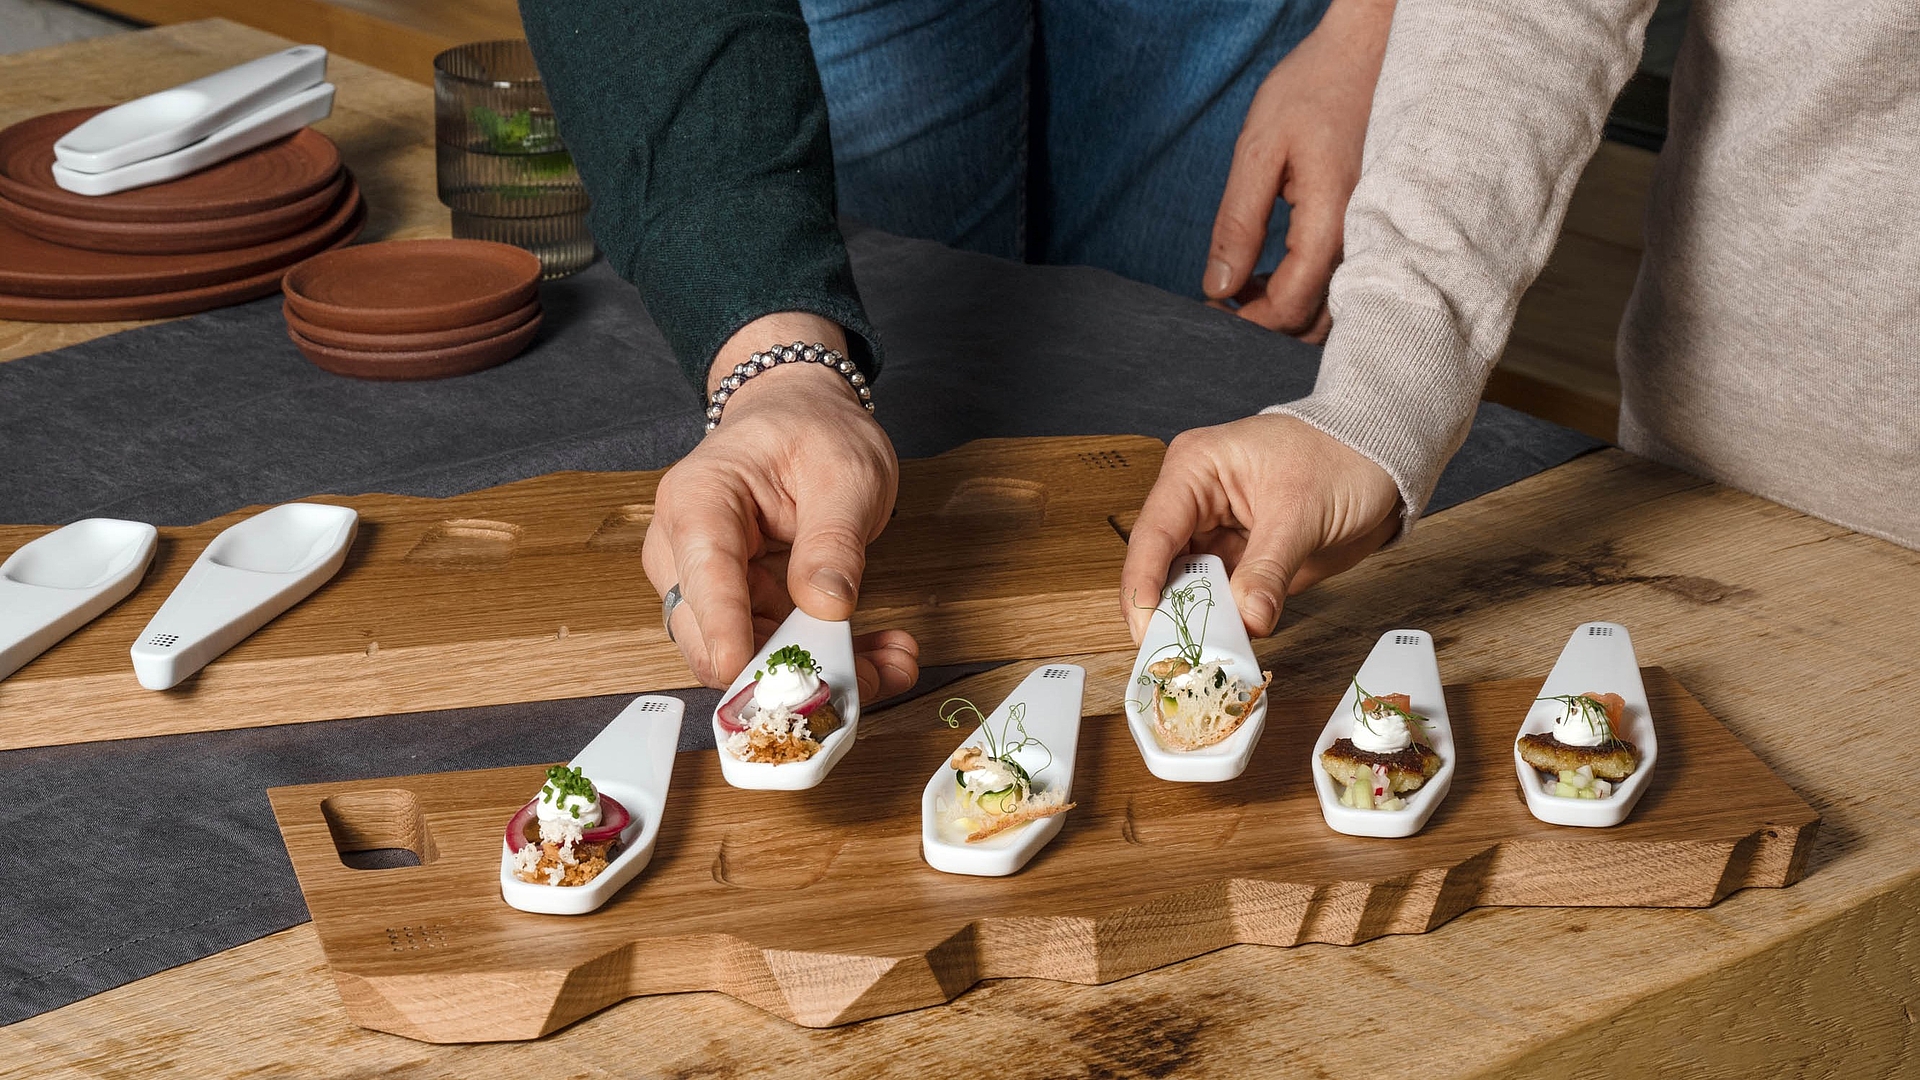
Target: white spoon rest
column 1052, row 695
column 831, row 644
column 164, row 122
column 57, row 583
column 283, row 117
column 1224, row 638
column 1598, row 659
column 1402, row 662
column 632, row 761
column 249, row 574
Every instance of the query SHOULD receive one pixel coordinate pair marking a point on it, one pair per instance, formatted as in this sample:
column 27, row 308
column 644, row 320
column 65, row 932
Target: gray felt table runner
column 180, row 422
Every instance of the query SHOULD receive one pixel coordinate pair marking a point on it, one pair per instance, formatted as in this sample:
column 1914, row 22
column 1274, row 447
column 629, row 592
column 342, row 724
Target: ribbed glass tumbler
column 502, row 168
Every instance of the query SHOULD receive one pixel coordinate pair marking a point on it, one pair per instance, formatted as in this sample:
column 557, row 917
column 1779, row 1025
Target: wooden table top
column 1798, row 634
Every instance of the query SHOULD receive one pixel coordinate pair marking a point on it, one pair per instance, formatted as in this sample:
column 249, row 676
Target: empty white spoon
column 164, row 122
column 249, row 574
column 1598, row 659
column 57, row 583
column 1218, row 631
column 1052, row 695
column 283, row 117
column 831, row 644
column 631, row 760
column 1402, row 662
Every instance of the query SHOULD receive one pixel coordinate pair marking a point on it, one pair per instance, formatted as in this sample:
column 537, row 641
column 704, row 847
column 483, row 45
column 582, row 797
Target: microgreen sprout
column 1366, row 708
column 789, row 656
column 1001, row 749
column 1195, row 599
column 1588, row 709
column 563, row 783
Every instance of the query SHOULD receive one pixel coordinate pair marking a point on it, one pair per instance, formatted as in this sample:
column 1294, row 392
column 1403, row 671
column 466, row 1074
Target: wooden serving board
column 533, row 591
column 816, row 906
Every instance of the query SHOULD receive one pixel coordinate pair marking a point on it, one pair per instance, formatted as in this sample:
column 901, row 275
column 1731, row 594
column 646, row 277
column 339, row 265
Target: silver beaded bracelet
column 796, row 353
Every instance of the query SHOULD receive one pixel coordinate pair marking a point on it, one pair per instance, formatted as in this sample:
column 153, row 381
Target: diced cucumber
column 1004, row 801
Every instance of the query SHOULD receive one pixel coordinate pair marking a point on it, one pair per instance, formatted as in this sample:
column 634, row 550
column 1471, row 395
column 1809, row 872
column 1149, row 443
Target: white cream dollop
column 990, row 775
column 784, row 687
column 1381, row 731
column 1575, row 726
column 560, row 812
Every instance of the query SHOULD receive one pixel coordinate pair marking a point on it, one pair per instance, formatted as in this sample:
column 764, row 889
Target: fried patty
column 1613, row 760
column 823, row 721
column 1407, row 769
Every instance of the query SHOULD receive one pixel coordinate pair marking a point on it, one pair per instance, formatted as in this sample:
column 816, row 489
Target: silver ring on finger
column 667, row 604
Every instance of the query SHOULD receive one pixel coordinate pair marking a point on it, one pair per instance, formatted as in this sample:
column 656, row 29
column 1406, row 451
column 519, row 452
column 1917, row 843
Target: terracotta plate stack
column 414, row 309
column 219, row 236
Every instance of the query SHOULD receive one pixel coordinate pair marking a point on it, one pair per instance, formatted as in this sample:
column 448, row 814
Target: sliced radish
column 613, row 819
column 733, row 715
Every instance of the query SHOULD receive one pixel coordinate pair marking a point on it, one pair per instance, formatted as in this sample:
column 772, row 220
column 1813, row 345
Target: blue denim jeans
column 1086, row 132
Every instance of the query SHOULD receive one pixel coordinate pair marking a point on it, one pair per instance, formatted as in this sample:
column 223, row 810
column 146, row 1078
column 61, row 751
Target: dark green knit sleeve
column 700, row 129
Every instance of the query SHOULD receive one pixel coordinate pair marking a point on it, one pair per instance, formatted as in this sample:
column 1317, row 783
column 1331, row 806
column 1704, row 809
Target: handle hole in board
column 379, row 830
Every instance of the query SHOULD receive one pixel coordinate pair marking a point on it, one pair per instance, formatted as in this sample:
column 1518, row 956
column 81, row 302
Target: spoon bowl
column 1222, row 637
column 631, row 761
column 1598, row 658
column 1052, row 694
column 1402, row 662
column 831, row 644
column 57, row 583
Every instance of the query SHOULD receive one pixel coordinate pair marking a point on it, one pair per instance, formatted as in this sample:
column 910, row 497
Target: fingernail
column 905, row 675
column 1219, row 277
column 833, row 583
column 1260, row 610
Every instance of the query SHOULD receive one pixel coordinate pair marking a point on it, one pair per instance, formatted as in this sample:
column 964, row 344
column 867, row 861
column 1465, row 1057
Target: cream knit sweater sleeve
column 1484, row 116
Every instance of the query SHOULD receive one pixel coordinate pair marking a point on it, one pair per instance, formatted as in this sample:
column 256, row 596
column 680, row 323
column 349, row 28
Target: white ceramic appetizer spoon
column 1217, row 630
column 283, row 117
column 1051, row 696
column 163, row 122
column 57, row 583
column 1598, row 659
column 631, row 762
column 249, row 574
column 1402, row 662
column 831, row 645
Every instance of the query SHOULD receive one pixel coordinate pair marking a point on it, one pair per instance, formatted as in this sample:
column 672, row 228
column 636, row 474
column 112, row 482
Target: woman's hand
column 775, row 509
column 1302, row 141
column 1282, row 503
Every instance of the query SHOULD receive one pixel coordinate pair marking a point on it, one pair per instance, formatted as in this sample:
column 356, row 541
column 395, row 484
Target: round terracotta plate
column 30, row 266
column 174, row 238
column 428, row 364
column 163, row 305
column 389, row 343
column 283, row 171
column 413, row 286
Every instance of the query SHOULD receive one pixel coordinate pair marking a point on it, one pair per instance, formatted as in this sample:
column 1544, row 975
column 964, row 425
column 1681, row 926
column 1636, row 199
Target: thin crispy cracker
column 1020, row 817
column 1174, row 742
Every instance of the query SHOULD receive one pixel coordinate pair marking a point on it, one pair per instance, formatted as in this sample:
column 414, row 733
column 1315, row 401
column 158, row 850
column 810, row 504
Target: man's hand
column 775, row 508
column 1302, row 141
column 1282, row 503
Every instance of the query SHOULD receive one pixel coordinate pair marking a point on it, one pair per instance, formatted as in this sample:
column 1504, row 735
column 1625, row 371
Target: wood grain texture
column 383, row 125
column 399, row 36
column 1793, row 632
column 533, row 591
column 817, row 907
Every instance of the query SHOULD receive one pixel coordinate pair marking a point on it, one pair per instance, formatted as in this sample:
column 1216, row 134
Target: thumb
column 829, row 556
column 1275, row 552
